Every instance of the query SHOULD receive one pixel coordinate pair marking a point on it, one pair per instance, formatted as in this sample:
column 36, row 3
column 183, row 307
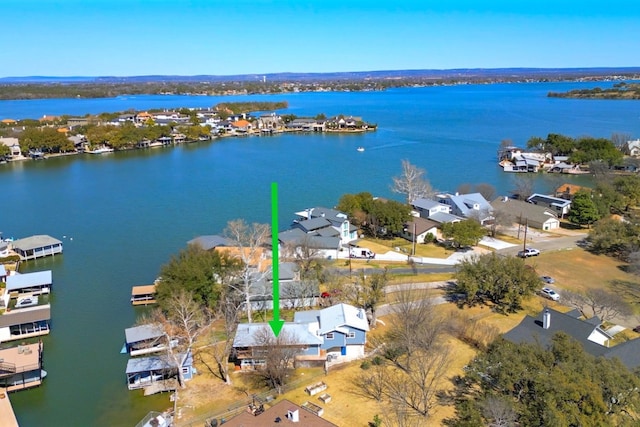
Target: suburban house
column 306, row 125
column 36, row 247
column 595, row 341
column 241, row 126
column 14, row 147
column 472, row 205
column 333, row 219
column 283, row 413
column 428, row 207
column 21, row 367
column 560, row 206
column 528, row 214
column 269, row 122
column 632, row 148
column 143, row 372
column 324, row 241
column 417, row 229
column 567, row 191
column 337, row 333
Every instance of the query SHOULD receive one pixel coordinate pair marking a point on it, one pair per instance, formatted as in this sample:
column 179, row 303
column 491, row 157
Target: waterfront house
column 36, row 247
column 269, row 122
column 4, row 250
column 283, row 413
column 589, row 333
column 21, row 367
column 143, row 372
column 295, row 239
column 527, row 214
column 427, row 207
column 334, row 219
column 15, row 152
column 471, row 206
column 560, row 206
column 337, row 333
column 241, row 126
column 209, row 242
column 145, row 339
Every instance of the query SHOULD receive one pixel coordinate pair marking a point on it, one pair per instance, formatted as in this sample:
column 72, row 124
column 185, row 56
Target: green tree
column 356, row 206
column 200, row 272
column 386, row 218
column 560, row 385
column 583, row 209
column 614, row 237
column 628, row 187
column 463, row 233
column 504, row 282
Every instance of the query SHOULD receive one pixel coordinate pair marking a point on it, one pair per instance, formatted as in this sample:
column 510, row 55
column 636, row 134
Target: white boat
column 360, row 149
column 100, row 150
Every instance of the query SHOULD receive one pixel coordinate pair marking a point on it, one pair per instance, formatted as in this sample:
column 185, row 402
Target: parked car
column 528, row 252
column 548, row 279
column 550, row 293
column 26, row 302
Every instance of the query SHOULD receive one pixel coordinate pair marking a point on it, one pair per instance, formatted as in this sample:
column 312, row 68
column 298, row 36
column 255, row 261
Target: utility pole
column 524, row 243
column 414, row 239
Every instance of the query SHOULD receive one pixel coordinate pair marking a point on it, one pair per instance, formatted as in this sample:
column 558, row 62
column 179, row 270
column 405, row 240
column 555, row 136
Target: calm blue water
column 127, row 213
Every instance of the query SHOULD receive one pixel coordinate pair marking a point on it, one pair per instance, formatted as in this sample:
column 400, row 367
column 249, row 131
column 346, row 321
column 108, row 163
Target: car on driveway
column 528, row 252
column 548, row 279
column 549, row 293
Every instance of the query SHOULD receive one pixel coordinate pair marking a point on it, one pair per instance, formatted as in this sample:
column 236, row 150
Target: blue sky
column 190, row 37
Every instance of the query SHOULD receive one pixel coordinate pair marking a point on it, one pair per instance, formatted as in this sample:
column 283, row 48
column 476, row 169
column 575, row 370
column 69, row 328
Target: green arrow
column 276, row 323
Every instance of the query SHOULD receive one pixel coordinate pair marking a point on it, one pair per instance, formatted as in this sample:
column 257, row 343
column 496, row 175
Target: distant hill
column 462, row 73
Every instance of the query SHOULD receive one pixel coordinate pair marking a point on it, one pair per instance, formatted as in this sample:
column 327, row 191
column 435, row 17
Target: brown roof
column 569, row 189
column 143, row 290
column 422, row 225
column 279, row 410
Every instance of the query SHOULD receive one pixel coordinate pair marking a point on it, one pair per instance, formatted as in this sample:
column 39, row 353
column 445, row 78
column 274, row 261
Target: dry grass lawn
column 575, row 269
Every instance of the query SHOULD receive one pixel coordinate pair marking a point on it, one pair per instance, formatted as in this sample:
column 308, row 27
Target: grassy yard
column 575, row 269
column 385, row 245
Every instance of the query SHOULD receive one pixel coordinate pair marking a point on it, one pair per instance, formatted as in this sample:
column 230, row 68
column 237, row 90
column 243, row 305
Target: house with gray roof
column 210, row 242
column 560, row 206
column 336, row 220
column 428, row 207
column 472, row 205
column 442, row 218
column 540, row 329
column 527, row 214
column 37, row 282
column 338, row 332
column 417, row 229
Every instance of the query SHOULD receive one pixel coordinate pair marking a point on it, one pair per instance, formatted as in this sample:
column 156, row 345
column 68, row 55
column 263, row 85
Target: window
column 329, row 336
column 351, row 335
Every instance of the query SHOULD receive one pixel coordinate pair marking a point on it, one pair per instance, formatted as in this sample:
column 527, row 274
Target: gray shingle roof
column 210, row 242
column 35, row 242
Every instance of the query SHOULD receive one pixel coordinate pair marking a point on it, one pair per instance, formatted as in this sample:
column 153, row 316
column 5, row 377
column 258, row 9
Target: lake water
column 122, row 215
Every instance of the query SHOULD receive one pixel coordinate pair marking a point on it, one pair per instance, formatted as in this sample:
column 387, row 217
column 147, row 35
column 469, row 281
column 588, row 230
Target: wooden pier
column 7, row 416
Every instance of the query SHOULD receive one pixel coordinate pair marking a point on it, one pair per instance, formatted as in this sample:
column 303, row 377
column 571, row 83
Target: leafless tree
column 412, row 182
column 227, row 311
column 501, row 218
column 416, row 360
column 181, row 324
column 279, row 354
column 464, row 188
column 523, row 187
column 299, row 294
column 598, row 302
column 372, row 382
column 308, row 258
column 487, row 191
column 620, row 140
column 249, row 240
column 499, row 412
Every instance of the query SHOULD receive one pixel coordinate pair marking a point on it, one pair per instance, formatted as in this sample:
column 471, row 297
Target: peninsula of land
column 619, row 90
column 130, row 130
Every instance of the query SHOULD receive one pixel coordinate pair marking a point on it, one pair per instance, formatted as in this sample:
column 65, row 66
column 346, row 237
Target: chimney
column 293, row 416
column 546, row 319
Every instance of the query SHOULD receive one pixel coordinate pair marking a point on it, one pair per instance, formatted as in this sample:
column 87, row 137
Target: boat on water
column 361, row 149
column 100, row 150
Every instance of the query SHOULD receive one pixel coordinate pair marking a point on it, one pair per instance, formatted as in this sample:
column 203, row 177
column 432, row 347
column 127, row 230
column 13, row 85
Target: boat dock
column 161, row 386
column 143, row 295
column 7, row 416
